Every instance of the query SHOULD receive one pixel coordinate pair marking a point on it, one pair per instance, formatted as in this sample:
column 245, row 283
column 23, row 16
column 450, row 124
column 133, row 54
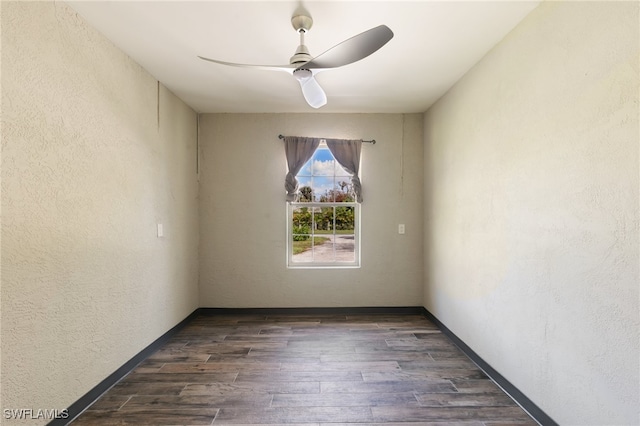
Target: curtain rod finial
column 280, row 137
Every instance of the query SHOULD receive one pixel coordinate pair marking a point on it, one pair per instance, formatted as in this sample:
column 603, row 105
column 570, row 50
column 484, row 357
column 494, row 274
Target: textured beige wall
column 243, row 222
column 90, row 165
column 531, row 231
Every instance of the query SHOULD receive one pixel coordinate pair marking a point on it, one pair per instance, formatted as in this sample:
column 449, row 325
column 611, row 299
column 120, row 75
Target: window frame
column 293, row 205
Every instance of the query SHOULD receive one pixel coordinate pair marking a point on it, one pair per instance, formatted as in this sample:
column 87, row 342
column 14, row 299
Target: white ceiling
column 435, row 43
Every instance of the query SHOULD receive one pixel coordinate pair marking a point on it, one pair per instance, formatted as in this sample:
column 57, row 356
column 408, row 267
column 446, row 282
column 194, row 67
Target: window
column 324, row 219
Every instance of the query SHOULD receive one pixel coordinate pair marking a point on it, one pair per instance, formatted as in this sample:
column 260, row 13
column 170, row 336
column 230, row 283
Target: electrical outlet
column 401, row 228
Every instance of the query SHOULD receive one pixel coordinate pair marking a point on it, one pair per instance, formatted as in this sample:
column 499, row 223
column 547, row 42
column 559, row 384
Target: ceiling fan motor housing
column 301, row 56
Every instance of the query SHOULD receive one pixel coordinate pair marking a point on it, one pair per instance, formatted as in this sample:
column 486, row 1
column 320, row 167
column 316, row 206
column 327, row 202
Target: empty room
column 320, row 213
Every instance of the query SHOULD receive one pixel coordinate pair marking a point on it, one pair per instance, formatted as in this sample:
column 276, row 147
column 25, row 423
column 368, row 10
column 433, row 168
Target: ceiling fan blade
column 351, row 50
column 288, row 68
column 312, row 92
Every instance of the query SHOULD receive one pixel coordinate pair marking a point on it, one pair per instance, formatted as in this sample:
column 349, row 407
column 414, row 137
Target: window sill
column 309, row 266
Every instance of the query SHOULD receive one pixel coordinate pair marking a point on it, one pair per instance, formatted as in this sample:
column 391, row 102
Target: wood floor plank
column 313, row 370
column 345, row 400
column 181, row 377
column 375, row 347
column 307, row 388
column 455, row 423
column 425, row 386
column 418, row 414
column 276, row 331
column 233, row 347
column 285, row 357
column 439, row 354
column 149, row 416
column 435, row 373
column 112, row 402
column 399, row 357
column 179, row 355
column 289, row 424
column 342, row 366
column 257, row 338
column 299, row 376
column 324, row 345
column 476, row 386
column 422, row 364
column 458, row 399
column 440, row 343
column 284, row 415
column 211, row 367
column 126, row 387
column 198, row 401
column 352, row 335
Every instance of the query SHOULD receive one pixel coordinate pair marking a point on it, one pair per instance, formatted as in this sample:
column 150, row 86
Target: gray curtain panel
column 347, row 153
column 298, row 151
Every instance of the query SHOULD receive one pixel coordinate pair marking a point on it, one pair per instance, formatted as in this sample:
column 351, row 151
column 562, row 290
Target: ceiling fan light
column 312, row 92
column 302, row 74
column 316, row 100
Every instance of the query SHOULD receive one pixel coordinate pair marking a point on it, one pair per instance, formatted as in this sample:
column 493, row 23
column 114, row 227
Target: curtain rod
column 372, row 141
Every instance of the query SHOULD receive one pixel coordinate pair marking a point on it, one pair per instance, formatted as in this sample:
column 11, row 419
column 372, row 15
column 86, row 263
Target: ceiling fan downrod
column 301, row 24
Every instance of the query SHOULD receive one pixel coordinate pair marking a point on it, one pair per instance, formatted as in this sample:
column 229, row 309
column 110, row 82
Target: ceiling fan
column 304, row 67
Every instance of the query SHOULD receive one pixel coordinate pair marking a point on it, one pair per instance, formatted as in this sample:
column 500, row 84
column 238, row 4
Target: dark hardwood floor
column 307, row 369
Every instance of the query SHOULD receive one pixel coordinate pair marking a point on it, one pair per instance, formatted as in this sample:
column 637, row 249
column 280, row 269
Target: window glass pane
column 323, row 163
column 345, row 220
column 323, row 220
column 315, row 248
column 343, row 192
column 305, row 189
column 345, row 248
column 301, row 223
column 323, row 251
column 323, row 187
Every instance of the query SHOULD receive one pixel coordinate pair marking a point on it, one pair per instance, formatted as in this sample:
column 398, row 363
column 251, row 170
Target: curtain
column 298, row 151
column 347, row 153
